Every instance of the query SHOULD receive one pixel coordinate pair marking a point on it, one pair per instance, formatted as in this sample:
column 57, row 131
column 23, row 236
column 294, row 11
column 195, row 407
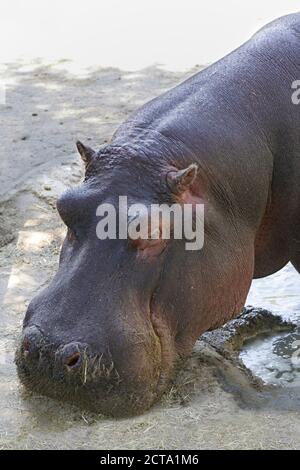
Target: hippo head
column 108, row 330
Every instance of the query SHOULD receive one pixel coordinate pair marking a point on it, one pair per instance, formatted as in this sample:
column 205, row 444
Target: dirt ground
column 47, row 110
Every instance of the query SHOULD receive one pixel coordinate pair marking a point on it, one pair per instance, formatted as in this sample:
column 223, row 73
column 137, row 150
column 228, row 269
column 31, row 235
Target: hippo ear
column 180, row 180
column 86, row 152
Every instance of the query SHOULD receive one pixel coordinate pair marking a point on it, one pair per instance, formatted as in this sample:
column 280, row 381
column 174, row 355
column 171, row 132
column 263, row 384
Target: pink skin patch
column 149, row 248
column 185, row 190
column 190, row 197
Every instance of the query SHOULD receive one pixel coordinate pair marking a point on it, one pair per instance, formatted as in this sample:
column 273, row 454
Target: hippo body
column 111, row 326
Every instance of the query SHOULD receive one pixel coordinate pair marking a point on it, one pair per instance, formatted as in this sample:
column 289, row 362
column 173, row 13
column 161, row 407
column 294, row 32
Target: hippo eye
column 149, row 248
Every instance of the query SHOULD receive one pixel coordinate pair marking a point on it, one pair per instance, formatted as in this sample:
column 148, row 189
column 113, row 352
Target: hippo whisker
column 96, row 366
column 92, row 366
column 118, row 378
column 110, row 369
column 85, row 367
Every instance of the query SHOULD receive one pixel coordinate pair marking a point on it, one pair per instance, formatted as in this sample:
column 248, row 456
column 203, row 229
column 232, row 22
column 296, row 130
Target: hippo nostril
column 70, row 355
column 73, row 360
column 32, row 341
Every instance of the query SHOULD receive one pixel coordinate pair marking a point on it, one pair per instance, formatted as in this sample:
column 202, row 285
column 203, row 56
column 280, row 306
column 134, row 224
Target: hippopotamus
column 109, row 330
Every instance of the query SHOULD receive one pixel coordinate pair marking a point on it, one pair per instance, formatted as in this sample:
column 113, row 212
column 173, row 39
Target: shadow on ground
column 48, row 108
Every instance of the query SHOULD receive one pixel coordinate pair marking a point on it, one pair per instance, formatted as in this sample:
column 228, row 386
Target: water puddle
column 276, row 358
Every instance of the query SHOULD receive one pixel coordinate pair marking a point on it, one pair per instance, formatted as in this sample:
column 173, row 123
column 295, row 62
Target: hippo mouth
column 90, row 381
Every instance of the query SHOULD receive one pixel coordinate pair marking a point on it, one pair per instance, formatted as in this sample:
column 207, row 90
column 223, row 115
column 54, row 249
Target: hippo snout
column 90, row 378
column 33, row 342
column 71, row 364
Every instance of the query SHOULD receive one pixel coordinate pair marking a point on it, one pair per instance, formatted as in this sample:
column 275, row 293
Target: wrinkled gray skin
column 110, row 327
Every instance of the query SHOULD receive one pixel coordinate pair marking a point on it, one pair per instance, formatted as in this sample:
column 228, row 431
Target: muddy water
column 276, row 359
